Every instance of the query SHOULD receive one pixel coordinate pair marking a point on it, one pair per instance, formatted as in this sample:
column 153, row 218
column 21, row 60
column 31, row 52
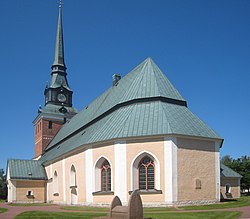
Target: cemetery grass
column 3, row 210
column 55, row 215
column 166, row 215
column 195, row 215
column 231, row 203
column 85, row 208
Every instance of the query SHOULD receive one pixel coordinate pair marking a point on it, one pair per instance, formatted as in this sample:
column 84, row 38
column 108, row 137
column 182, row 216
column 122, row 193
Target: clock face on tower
column 61, row 97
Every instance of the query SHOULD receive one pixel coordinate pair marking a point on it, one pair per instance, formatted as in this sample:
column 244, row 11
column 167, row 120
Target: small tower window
column 50, row 124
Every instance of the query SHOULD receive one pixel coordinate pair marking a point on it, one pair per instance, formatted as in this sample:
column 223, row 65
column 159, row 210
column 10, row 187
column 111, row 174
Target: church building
column 138, row 134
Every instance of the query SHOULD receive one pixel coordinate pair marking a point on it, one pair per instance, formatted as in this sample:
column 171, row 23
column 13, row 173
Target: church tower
column 58, row 98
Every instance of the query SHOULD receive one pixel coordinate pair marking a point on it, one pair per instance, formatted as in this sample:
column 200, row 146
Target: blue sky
column 203, row 47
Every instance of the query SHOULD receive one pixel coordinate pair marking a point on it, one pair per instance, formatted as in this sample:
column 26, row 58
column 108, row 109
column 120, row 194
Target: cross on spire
column 60, row 3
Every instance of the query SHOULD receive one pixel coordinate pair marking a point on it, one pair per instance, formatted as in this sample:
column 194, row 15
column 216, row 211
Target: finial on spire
column 59, row 49
column 60, row 3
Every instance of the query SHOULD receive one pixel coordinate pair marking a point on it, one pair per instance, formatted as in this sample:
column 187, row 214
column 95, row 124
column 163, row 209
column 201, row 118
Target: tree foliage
column 240, row 165
column 3, row 185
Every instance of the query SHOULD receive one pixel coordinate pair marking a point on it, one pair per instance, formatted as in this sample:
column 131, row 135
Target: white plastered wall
column 217, row 169
column 64, row 180
column 11, row 186
column 89, row 170
column 170, row 170
column 120, row 182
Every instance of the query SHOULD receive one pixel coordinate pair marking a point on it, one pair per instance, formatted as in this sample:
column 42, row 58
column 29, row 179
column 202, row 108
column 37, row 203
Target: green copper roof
column 52, row 111
column 143, row 103
column 26, row 169
column 145, row 81
column 228, row 172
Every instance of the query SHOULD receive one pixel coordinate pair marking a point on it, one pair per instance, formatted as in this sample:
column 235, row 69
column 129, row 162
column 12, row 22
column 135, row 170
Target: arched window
column 55, row 183
column 72, row 176
column 105, row 177
column 228, row 188
column 146, row 171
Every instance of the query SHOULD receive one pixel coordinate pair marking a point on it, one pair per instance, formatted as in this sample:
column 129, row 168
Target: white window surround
column 134, row 170
column 97, row 171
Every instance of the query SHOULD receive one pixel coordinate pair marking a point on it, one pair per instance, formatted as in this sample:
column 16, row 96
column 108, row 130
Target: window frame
column 146, row 166
column 105, row 167
column 97, row 179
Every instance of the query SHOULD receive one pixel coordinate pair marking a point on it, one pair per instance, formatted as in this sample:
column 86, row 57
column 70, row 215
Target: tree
column 3, row 185
column 242, row 166
column 227, row 160
column 244, row 162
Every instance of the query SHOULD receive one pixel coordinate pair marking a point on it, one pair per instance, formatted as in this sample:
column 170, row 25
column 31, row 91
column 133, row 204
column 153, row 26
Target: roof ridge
column 135, row 82
column 140, row 76
column 173, row 92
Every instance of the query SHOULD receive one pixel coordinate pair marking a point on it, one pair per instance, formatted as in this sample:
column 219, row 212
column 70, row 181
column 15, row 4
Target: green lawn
column 85, row 208
column 166, row 215
column 154, row 213
column 240, row 202
column 3, row 210
column 54, row 215
column 2, row 200
column 194, row 215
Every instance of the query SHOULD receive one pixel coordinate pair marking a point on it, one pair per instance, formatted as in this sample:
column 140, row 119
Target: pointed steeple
column 59, row 47
column 58, row 73
column 58, row 91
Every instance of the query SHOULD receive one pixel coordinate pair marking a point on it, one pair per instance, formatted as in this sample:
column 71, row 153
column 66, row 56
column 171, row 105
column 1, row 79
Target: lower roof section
column 25, row 169
column 228, row 172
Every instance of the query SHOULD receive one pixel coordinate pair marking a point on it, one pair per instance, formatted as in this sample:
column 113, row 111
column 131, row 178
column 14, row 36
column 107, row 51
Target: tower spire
column 58, row 98
column 59, row 48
